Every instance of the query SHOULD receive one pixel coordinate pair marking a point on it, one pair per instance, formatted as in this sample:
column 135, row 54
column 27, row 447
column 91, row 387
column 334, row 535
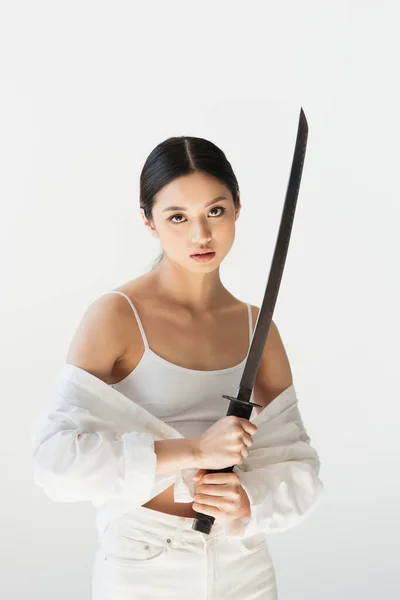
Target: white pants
column 146, row 555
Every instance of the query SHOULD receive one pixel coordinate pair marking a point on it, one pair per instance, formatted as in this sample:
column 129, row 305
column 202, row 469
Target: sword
column 240, row 405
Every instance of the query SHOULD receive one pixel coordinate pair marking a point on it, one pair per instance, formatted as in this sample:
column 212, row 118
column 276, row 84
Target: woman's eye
column 174, row 217
column 221, row 208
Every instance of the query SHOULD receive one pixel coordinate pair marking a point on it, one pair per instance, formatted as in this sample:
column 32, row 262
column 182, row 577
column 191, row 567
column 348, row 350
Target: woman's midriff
column 165, row 503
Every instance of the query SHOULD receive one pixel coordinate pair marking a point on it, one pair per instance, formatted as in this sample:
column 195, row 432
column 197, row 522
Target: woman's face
column 192, row 213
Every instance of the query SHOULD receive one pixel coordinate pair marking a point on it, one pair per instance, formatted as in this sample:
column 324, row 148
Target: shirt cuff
column 140, row 465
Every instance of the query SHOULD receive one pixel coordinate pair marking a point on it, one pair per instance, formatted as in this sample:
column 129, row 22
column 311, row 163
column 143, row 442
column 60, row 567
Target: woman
column 171, row 341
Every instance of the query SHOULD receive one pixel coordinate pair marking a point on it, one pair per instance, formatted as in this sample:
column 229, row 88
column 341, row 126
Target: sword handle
column 203, row 522
column 239, row 408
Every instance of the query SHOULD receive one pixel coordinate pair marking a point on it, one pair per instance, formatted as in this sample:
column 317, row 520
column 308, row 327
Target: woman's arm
column 281, row 474
column 74, row 458
column 274, row 374
column 175, row 455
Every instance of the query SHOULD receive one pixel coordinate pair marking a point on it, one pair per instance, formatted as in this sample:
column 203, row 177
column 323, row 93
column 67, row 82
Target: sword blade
column 264, row 319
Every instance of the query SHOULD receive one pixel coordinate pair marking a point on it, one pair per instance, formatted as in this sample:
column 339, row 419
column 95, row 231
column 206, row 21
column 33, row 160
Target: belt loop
column 178, row 531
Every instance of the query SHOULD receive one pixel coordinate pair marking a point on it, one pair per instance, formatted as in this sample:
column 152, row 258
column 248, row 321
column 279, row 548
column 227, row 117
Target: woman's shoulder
column 106, row 332
column 137, row 289
column 255, row 310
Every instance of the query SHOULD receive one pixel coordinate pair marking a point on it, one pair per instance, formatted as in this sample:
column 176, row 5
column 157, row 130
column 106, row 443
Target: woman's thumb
column 199, row 474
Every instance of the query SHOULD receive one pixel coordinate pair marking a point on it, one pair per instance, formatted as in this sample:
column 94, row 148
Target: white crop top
column 188, row 400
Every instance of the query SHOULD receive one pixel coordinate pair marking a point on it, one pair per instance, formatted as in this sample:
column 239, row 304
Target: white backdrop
column 87, row 90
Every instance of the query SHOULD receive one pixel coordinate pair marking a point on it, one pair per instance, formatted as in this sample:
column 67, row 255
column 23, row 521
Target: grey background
column 87, row 90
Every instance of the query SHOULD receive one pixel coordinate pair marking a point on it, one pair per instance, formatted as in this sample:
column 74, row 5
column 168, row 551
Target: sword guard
column 243, row 402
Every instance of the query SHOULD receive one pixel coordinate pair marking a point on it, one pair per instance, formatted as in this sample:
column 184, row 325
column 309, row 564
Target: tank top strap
column 139, row 322
column 250, row 322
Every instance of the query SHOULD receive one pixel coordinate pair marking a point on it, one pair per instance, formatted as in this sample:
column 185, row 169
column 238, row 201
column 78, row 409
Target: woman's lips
column 203, row 257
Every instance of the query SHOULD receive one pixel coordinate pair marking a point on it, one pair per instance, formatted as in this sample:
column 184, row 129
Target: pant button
column 168, row 541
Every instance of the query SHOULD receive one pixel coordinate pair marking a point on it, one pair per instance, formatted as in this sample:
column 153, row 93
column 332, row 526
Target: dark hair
column 178, row 156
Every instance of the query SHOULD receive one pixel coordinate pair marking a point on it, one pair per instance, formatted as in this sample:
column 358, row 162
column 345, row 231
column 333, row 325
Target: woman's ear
column 149, row 224
column 238, row 207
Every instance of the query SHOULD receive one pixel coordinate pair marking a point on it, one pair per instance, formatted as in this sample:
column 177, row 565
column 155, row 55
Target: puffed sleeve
column 79, row 457
column 280, row 476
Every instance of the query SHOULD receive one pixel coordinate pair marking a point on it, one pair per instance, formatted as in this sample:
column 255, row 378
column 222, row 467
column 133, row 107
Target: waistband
column 170, row 527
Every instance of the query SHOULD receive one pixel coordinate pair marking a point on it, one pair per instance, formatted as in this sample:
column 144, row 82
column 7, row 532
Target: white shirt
column 95, row 444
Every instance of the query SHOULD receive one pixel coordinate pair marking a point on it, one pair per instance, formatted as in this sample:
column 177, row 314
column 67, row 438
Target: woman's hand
column 225, row 443
column 220, row 495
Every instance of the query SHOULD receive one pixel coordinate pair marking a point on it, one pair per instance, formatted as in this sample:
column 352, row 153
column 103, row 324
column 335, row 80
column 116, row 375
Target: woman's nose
column 201, row 234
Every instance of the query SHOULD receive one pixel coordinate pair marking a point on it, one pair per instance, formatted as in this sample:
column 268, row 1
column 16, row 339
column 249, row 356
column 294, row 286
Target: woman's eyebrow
column 184, row 208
